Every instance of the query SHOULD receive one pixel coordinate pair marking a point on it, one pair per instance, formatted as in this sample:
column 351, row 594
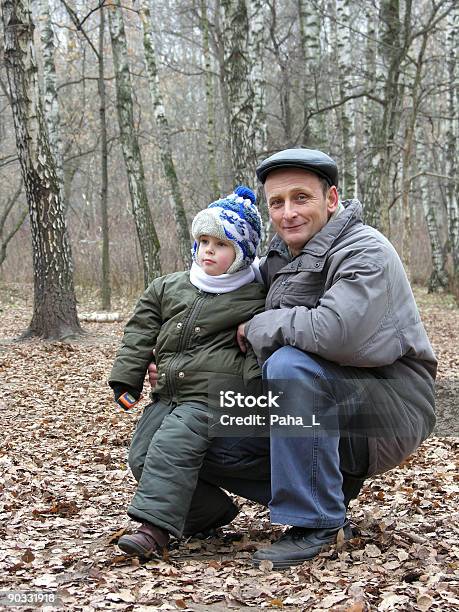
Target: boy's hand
column 153, row 375
column 240, row 336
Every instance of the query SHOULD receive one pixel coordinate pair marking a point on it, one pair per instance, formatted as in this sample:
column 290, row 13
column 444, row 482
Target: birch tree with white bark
column 346, row 112
column 392, row 48
column 309, row 31
column 54, row 312
column 236, row 71
column 106, row 288
column 210, row 92
column 430, row 204
column 164, row 137
column 50, row 99
column 146, row 231
column 452, row 136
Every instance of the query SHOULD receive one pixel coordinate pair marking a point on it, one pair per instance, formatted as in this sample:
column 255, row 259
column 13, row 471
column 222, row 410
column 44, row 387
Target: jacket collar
column 322, row 242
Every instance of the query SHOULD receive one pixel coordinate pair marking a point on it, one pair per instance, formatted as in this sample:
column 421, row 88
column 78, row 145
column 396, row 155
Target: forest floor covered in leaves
column 65, row 485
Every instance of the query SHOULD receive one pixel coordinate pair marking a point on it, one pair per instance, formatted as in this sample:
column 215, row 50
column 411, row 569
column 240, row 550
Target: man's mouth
column 292, row 227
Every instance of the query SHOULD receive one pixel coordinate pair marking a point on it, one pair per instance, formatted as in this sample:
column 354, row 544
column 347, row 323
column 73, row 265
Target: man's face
column 297, row 205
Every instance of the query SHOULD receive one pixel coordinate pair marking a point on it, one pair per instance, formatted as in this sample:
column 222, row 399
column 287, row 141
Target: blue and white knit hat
column 234, row 218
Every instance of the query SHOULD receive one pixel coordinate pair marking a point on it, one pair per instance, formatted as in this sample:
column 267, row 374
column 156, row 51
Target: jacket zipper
column 184, row 336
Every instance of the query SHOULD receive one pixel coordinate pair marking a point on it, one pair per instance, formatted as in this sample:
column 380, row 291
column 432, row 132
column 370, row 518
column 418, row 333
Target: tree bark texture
column 345, row 112
column 236, row 74
column 256, row 53
column 6, row 237
column 106, row 290
column 309, row 30
column 430, row 205
column 146, row 232
column 178, row 208
column 55, row 313
column 392, row 50
column 210, row 101
column 50, row 100
column 407, row 154
column 453, row 144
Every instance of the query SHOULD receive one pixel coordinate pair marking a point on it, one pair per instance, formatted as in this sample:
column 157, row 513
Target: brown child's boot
column 147, row 542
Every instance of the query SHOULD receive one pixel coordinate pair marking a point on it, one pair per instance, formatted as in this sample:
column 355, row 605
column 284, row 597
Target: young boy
column 190, row 319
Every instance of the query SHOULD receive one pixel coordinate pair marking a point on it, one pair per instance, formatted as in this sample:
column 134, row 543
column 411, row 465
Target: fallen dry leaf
column 424, row 602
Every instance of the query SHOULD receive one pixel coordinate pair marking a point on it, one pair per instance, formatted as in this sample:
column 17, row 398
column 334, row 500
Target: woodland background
column 117, row 124
column 153, row 110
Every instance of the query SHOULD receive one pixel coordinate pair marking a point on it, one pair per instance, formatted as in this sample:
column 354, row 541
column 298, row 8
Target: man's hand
column 153, row 375
column 241, row 339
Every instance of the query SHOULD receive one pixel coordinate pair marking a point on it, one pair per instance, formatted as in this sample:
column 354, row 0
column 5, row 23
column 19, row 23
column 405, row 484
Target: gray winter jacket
column 346, row 298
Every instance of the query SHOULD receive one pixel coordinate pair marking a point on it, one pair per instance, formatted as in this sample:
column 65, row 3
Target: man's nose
column 289, row 210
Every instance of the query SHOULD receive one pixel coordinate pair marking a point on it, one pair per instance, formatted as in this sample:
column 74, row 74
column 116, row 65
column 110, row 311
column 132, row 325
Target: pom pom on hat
column 245, row 193
column 234, row 218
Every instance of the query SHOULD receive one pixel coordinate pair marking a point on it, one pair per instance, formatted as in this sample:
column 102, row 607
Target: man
column 341, row 327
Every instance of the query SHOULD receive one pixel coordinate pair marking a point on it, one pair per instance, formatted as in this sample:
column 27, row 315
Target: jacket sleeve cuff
column 120, row 388
column 264, row 335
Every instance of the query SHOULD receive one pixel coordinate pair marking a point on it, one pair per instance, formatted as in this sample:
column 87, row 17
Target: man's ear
column 332, row 199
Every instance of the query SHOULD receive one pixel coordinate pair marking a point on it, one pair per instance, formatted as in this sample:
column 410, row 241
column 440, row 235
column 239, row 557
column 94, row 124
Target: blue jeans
column 306, row 479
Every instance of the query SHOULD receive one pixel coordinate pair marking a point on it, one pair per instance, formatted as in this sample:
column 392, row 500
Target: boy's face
column 214, row 255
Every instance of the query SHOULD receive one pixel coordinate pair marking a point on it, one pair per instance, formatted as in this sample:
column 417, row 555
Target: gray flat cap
column 308, row 159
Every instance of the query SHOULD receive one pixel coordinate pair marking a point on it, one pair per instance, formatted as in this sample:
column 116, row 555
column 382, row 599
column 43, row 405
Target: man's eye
column 275, row 203
column 301, row 196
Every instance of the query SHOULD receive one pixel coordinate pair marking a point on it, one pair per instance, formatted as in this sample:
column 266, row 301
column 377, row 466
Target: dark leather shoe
column 299, row 544
column 146, row 543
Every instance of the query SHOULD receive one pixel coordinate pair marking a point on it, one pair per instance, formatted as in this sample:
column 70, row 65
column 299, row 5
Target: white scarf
column 224, row 283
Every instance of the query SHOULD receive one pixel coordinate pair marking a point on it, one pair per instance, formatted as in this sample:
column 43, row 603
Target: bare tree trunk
column 55, row 313
column 146, row 232
column 5, row 239
column 236, row 71
column 210, row 101
column 452, row 143
column 259, row 128
column 369, row 110
column 430, row 205
column 106, row 290
column 178, row 208
column 50, row 100
column 309, row 26
column 392, row 50
column 285, row 86
column 345, row 65
column 256, row 50
column 407, row 157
